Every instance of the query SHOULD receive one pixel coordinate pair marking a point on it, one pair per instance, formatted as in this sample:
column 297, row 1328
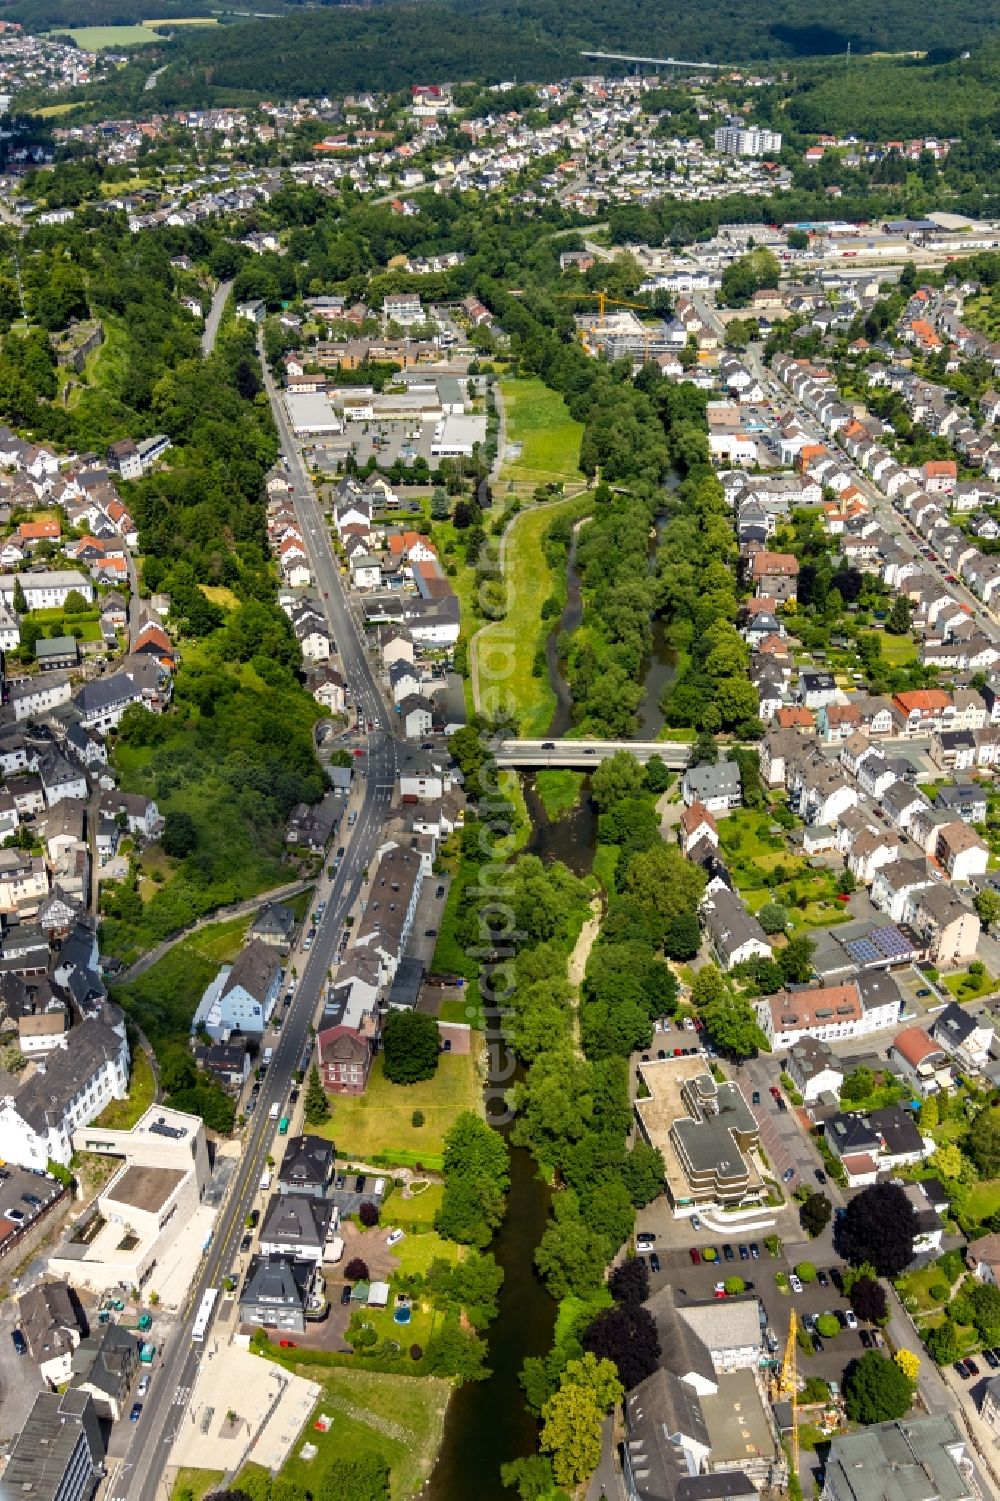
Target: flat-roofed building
column 706, row 1132
column 59, row 1453
column 914, row 1459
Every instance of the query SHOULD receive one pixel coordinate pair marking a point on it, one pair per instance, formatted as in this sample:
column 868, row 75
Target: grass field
column 898, row 651
column 196, row 1482
column 165, row 998
column 401, row 1417
column 559, row 790
column 220, row 595
column 418, row 1210
column 110, row 38
column 50, row 111
column 966, row 987
column 380, row 1120
column 506, row 648
column 537, row 418
column 183, row 21
column 981, row 1199
column 121, row 1115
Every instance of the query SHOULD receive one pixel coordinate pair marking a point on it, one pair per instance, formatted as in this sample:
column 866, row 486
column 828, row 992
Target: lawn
column 165, row 998
column 559, row 790
column 605, row 862
column 402, row 1417
column 219, row 941
column 538, row 419
column 379, row 1122
column 980, row 1200
column 914, row 1289
column 417, row 1210
column 967, row 987
column 195, row 1483
column 121, row 1115
column 506, row 648
column 416, row 1252
column 110, row 38
column 219, row 595
column 898, row 651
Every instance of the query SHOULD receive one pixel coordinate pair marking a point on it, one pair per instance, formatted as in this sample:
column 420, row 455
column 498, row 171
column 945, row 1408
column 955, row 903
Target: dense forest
column 903, row 96
column 338, row 49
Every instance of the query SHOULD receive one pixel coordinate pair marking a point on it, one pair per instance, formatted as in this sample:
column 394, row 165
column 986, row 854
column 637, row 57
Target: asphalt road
column 140, row 1474
column 211, row 330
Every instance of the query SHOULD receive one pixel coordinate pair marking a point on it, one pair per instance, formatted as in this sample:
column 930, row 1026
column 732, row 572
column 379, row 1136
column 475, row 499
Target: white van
column 268, row 1055
column 265, row 1180
column 274, row 1111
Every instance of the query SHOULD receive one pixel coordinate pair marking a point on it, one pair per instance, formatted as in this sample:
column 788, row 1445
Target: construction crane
column 786, row 1383
column 603, row 300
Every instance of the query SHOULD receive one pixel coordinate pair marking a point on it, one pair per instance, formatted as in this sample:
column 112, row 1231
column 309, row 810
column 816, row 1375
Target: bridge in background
column 658, row 62
column 582, row 755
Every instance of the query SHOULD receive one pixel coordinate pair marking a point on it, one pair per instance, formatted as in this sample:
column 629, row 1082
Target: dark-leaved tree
column 368, row 1214
column 869, row 1301
column 629, row 1283
column 411, row 1047
column 626, row 1335
column 815, row 1214
column 356, row 1270
column 878, row 1227
column 876, row 1390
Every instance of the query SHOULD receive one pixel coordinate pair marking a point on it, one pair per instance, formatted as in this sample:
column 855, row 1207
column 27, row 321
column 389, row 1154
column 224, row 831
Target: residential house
column 814, row 1068
column 242, row 996
column 921, row 1060
column 734, row 933
column 717, row 788
column 966, row 1038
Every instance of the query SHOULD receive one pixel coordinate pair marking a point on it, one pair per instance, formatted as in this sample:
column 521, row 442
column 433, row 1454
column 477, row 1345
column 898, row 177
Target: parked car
column 253, row 1218
column 822, row 1279
column 345, row 1294
column 440, row 892
column 287, row 1344
column 744, row 1252
column 850, row 1318
column 788, row 1175
column 19, row 1342
column 143, row 1386
column 720, row 1290
column 695, row 1256
column 394, row 1237
column 359, row 1187
column 245, row 1243
column 755, row 1097
column 695, row 1222
column 136, row 1412
column 755, row 1250
column 775, row 1092
column 971, row 1367
column 794, row 1283
column 728, row 1252
column 654, row 1263
column 962, row 1369
column 866, row 1339
column 820, row 1175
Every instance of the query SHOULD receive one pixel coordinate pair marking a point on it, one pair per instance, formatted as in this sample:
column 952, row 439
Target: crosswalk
column 180, row 1396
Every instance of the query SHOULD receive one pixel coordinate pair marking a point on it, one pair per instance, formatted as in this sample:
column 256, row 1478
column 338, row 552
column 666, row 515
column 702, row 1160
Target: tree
column 356, row 1270
column 869, row 1301
column 795, row 960
column 805, row 1271
column 943, row 1343
column 773, row 918
column 828, row 1325
column 571, row 1433
column 629, row 1282
column 627, row 1336
column 476, row 1180
column 983, row 1142
column 733, row 1024
column 704, row 751
column 899, row 616
column 878, row 1226
column 987, row 905
column 570, row 1257
column 362, row 1478
column 909, row 1364
column 180, row 834
column 658, row 776
column 815, row 1214
column 618, row 777
column 734, row 1286
column 682, row 938
column 411, row 1047
column 316, row 1106
column 597, row 1376
column 876, row 1390
column 368, row 1214
column 948, row 1161
column 20, row 601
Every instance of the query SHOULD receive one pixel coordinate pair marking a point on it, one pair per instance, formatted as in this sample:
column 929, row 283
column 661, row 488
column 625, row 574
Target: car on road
column 788, row 1175
column 136, row 1412
column 589, row 751
column 430, row 932
column 394, row 1237
column 143, row 1386
column 820, row 1175
column 923, row 992
column 548, row 745
column 19, row 1342
column 781, row 1104
column 17, row 1216
column 439, row 893
column 654, row 1262
column 695, row 1222
column 794, row 1283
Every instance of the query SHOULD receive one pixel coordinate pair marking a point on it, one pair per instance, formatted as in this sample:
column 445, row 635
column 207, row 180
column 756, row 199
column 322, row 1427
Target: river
column 487, row 1422
column 660, row 671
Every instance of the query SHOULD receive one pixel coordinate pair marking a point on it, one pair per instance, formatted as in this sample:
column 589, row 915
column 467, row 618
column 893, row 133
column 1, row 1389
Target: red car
column 358, row 750
column 286, row 1344
column 695, row 1256
column 775, row 1092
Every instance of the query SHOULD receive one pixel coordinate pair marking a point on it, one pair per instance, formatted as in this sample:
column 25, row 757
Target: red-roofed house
column 697, row 823
column 923, row 1062
column 775, row 574
column 939, row 476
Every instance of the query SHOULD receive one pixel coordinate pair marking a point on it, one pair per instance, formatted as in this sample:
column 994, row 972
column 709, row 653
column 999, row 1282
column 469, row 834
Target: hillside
column 886, row 97
column 339, row 49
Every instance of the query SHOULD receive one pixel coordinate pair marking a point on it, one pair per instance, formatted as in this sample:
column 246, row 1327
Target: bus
column 204, row 1315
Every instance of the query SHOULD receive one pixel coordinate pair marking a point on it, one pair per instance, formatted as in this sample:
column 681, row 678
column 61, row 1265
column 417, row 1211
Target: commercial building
column 59, row 1453
column 736, row 139
column 70, row 1086
column 922, row 1459
column 830, row 1012
column 147, row 1204
column 706, row 1132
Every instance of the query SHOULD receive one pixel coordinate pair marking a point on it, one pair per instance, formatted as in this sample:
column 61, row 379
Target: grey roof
column 723, row 1324
column 105, row 1360
column 45, row 1097
column 729, row 924
column 877, row 988
column 292, row 1219
column 308, row 1162
column 406, row 984
column 659, row 1413
column 720, row 780
column 812, row 1056
column 277, row 1281
column 274, row 919
column 254, row 969
column 725, row 1485
column 953, row 1025
column 682, row 1351
column 49, row 1320
column 897, row 1130
column 47, row 1445
column 910, row 1460
column 850, row 1133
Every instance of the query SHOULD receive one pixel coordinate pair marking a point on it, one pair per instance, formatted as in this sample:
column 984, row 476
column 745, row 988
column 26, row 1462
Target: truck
column 283, row 1126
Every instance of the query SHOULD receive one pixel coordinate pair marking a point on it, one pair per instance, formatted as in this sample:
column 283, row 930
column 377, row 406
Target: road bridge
column 527, row 755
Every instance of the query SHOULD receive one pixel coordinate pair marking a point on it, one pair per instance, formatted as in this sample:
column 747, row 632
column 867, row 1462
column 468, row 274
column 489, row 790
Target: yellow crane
column 603, row 301
column 786, row 1383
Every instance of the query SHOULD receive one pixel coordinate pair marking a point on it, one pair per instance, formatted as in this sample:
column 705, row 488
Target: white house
column 69, row 1088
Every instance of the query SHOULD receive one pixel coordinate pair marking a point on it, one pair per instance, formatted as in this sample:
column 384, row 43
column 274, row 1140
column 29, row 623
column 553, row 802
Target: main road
column 139, row 1476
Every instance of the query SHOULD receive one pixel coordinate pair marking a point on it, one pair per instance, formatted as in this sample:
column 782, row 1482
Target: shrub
column 416, row 1352
column 828, row 1326
column 805, row 1271
column 417, row 1118
column 734, row 1286
column 368, row 1214
column 939, row 1291
column 356, row 1270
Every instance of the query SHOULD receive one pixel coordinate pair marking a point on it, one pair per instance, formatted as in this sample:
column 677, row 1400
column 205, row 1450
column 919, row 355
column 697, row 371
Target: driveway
column 20, row 1378
column 783, row 1134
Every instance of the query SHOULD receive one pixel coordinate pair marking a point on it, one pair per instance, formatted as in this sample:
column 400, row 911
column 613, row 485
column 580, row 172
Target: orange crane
column 603, row 300
column 786, row 1384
